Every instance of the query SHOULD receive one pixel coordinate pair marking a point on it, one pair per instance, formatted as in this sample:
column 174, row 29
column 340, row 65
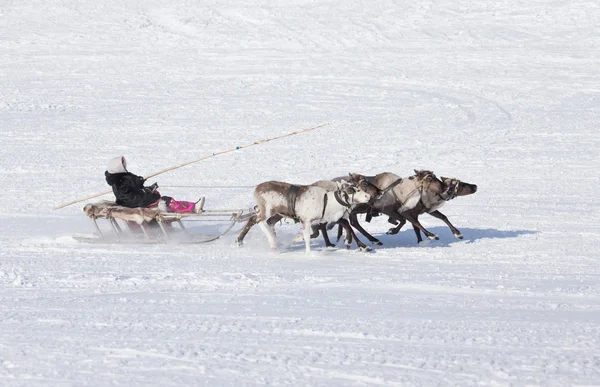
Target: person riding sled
column 130, row 191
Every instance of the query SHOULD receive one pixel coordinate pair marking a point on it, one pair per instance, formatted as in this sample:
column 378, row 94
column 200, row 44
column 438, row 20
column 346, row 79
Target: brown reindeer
column 431, row 206
column 399, row 195
column 307, row 204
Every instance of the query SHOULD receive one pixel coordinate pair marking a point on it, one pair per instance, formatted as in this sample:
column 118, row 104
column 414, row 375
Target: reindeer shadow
column 407, row 238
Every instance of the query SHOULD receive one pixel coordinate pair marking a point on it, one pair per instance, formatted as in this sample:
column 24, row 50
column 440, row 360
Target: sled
column 153, row 226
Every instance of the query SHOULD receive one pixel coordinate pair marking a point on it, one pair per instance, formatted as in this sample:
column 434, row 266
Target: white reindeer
column 307, row 204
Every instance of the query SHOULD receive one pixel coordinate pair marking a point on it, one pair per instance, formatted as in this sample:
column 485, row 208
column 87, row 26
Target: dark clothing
column 130, row 191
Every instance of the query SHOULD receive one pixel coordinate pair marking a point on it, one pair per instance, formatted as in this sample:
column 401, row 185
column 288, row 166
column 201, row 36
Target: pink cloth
column 180, row 206
column 175, row 205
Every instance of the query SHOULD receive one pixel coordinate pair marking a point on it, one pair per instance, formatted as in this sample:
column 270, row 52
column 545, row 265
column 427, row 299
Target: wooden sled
column 153, row 226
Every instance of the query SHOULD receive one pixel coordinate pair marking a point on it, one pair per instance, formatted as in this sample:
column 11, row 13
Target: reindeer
column 307, row 204
column 398, row 196
column 432, row 204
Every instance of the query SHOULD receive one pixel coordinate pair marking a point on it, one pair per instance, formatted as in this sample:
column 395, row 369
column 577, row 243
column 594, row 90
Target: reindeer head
column 429, row 182
column 352, row 193
column 355, row 177
column 458, row 188
column 365, row 184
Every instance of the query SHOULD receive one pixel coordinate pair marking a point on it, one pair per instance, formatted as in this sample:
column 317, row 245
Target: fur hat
column 117, row 165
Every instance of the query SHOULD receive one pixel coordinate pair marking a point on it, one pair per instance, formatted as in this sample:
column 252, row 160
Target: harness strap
column 397, row 198
column 292, row 195
column 338, row 198
column 395, row 183
column 391, row 186
column 419, row 188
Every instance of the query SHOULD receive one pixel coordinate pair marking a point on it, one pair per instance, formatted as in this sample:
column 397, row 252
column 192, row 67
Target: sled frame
column 163, row 234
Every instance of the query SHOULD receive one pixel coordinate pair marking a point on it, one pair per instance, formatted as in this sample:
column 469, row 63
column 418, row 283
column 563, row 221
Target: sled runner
column 153, row 226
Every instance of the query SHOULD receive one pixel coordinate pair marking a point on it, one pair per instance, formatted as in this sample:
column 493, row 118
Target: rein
column 419, row 188
column 338, row 198
column 389, row 187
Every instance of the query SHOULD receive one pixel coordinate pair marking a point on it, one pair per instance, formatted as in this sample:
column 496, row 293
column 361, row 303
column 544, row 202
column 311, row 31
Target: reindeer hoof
column 459, row 236
column 365, row 249
column 376, row 242
column 238, row 243
column 348, row 247
column 434, row 237
column 392, row 231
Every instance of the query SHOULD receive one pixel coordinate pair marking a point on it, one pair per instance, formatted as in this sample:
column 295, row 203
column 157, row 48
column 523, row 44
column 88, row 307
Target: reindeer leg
column 415, row 221
column 339, row 233
column 455, row 231
column 361, row 246
column 315, row 231
column 251, row 222
column 345, row 225
column 270, row 233
column 323, row 228
column 348, row 234
column 418, row 234
column 395, row 230
column 347, row 239
column 356, row 225
column 314, row 234
column 274, row 219
column 306, row 228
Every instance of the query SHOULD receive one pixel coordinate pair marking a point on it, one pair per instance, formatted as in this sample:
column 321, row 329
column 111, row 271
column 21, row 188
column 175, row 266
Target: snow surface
column 503, row 94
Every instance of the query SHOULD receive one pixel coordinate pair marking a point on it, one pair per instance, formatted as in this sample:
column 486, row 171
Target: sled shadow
column 407, row 237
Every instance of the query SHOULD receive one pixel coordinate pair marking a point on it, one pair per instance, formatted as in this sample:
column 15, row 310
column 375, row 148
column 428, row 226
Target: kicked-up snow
column 502, row 94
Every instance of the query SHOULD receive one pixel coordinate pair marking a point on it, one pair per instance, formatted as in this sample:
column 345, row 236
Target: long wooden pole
column 200, row 159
